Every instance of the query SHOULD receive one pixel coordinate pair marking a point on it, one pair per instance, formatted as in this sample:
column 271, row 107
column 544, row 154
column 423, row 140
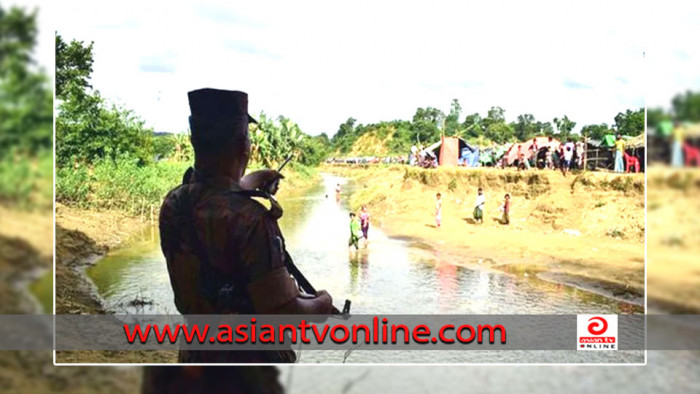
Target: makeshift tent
column 490, row 156
column 598, row 155
column 635, row 142
column 665, row 128
column 660, row 139
column 469, row 156
column 512, row 154
column 452, row 151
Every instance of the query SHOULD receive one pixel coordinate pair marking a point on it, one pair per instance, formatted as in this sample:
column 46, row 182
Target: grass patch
column 26, row 181
column 127, row 186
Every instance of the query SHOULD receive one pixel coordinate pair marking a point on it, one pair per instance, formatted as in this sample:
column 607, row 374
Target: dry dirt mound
column 593, row 204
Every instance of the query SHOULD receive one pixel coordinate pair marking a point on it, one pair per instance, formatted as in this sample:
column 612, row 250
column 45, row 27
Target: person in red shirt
column 364, row 222
column 506, row 209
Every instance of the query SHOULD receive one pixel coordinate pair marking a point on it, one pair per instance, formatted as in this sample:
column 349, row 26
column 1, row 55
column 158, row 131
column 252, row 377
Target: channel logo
column 596, row 332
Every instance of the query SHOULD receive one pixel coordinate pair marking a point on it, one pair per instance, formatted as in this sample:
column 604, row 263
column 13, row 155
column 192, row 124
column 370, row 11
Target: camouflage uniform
column 240, row 241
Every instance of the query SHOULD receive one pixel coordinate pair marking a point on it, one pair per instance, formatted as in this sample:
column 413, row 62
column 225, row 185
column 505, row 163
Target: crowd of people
column 550, row 155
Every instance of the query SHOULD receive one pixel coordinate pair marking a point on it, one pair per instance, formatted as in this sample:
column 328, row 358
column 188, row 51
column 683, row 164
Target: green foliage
column 655, row 116
column 525, row 127
column 473, row 126
column 452, row 186
column 26, row 181
column 452, row 120
column 122, row 183
column 313, row 150
column 164, row 146
column 686, row 107
column 630, row 122
column 26, row 114
column 595, row 131
column 426, row 125
column 87, row 127
column 73, row 68
column 26, row 98
column 499, row 132
column 564, row 127
column 271, row 142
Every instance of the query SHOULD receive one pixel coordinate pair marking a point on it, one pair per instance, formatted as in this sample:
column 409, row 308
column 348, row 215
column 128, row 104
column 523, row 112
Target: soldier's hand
column 306, row 304
column 267, row 180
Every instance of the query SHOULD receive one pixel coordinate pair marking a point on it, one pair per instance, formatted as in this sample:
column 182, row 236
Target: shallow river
column 387, row 275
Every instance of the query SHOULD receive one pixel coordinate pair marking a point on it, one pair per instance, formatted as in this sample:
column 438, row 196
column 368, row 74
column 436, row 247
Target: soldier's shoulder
column 215, row 203
column 235, row 204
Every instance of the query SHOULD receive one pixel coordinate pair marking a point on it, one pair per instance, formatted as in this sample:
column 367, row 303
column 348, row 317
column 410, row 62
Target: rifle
column 306, row 285
column 271, row 186
column 291, row 267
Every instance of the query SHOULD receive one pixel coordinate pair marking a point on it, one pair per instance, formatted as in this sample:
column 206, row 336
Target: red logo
column 599, row 326
column 596, row 332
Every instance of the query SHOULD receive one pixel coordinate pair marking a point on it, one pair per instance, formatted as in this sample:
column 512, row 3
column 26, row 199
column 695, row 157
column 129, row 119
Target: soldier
column 224, row 250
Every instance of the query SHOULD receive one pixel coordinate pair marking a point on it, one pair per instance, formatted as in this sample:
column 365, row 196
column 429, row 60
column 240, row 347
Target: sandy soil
column 26, row 244
column 586, row 227
column 674, row 239
column 81, row 237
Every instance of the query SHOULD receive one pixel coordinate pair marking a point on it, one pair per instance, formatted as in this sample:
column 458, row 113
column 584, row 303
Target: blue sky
column 319, row 63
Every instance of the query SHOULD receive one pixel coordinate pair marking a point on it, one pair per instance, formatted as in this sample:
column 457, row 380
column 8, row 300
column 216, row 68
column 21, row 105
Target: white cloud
column 319, row 63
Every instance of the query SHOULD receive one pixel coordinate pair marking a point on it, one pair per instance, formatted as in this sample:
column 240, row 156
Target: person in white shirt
column 580, row 147
column 479, row 206
column 568, row 156
column 549, row 158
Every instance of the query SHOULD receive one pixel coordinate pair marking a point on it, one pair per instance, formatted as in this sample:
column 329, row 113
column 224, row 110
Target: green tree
column 595, row 131
column 630, row 122
column 656, row 116
column 73, row 68
column 525, row 127
column 544, row 128
column 473, row 126
column 686, row 107
column 564, row 127
column 87, row 127
column 26, row 96
column 499, row 132
column 426, row 125
column 452, row 120
column 495, row 127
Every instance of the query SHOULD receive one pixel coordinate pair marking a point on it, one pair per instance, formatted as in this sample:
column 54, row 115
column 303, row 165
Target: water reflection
column 386, row 276
column 358, row 263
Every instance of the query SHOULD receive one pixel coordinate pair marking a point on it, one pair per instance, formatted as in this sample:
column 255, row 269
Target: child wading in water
column 479, row 206
column 364, row 221
column 438, row 210
column 354, row 232
column 506, row 209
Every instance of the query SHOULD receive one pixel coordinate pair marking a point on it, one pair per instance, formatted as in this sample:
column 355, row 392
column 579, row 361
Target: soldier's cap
column 216, row 106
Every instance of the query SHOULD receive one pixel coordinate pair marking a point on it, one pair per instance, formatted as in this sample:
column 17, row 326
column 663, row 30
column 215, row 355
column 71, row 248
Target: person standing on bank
column 506, row 209
column 619, row 154
column 224, row 250
column 479, row 206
